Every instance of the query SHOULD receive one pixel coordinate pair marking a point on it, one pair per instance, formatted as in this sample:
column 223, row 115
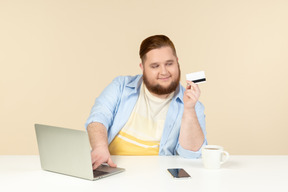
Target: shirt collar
column 179, row 92
column 136, row 83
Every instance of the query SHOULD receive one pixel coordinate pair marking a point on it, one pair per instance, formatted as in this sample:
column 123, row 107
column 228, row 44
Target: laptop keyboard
column 98, row 173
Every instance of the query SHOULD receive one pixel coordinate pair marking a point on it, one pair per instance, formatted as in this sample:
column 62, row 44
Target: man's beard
column 158, row 89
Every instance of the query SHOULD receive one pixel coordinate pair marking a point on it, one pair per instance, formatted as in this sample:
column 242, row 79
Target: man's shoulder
column 128, row 80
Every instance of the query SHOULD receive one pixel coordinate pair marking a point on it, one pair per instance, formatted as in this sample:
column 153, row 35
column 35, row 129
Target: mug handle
column 226, row 158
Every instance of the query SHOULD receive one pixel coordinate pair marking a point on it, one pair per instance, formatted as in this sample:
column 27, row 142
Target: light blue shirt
column 115, row 104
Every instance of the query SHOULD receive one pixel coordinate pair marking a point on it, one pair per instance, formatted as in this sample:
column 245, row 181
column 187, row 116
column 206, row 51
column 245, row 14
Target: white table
column 149, row 173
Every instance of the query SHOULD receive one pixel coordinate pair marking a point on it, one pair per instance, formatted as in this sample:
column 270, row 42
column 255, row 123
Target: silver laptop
column 67, row 151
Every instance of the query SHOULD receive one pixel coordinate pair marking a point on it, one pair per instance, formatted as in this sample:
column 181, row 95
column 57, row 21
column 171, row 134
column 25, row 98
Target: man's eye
column 169, row 63
column 154, row 66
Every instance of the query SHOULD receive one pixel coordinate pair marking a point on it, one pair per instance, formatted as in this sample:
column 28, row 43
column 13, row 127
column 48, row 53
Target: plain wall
column 57, row 56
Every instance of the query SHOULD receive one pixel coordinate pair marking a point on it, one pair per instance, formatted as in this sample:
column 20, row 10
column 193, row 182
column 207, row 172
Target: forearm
column 97, row 135
column 191, row 135
column 98, row 140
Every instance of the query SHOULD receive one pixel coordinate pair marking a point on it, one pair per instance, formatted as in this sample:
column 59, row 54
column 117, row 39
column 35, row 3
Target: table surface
column 149, row 173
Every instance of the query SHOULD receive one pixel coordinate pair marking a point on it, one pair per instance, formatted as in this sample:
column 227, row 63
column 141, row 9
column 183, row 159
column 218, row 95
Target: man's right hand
column 101, row 155
column 99, row 143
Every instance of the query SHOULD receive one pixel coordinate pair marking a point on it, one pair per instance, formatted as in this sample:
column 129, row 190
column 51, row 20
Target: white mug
column 213, row 156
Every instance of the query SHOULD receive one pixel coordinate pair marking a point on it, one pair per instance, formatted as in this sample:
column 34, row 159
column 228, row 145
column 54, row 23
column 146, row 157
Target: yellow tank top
column 142, row 133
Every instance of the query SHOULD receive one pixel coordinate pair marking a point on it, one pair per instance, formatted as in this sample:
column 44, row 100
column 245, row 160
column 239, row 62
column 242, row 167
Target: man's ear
column 177, row 61
column 141, row 66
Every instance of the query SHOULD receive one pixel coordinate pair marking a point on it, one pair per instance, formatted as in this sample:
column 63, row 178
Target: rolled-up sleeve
column 190, row 154
column 105, row 105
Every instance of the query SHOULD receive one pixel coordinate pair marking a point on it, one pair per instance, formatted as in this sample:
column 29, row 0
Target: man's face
column 161, row 72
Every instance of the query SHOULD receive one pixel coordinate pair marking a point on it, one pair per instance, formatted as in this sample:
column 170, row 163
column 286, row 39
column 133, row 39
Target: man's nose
column 163, row 70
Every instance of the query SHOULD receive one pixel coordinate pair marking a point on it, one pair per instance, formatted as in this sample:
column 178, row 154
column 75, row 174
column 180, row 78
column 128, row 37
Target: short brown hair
column 155, row 42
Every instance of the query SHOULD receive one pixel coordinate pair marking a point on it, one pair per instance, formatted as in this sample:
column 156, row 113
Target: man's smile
column 164, row 78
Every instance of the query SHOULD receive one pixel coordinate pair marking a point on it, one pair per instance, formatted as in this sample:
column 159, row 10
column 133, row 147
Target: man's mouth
column 164, row 78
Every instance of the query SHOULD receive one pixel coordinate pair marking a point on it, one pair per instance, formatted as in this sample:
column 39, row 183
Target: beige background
column 57, row 56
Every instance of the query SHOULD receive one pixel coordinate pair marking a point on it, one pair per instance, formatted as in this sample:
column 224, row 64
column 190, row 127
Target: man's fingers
column 192, row 85
column 110, row 163
column 188, row 86
column 192, row 96
column 98, row 163
column 93, row 159
column 192, row 92
column 95, row 165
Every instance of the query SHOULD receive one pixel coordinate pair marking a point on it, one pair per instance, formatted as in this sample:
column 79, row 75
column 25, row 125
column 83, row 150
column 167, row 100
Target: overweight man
column 148, row 114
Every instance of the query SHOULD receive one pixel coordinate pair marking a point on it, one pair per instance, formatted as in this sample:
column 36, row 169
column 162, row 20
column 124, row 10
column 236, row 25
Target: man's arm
column 98, row 140
column 191, row 135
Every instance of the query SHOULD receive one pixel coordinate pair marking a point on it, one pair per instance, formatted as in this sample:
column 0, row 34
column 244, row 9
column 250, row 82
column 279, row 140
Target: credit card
column 196, row 77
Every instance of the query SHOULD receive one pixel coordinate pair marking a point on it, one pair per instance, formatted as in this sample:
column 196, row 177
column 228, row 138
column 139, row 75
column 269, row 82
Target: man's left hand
column 191, row 95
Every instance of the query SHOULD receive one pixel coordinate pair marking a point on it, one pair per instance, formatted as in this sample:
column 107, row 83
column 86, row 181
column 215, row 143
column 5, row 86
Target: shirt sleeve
column 201, row 118
column 190, row 154
column 106, row 104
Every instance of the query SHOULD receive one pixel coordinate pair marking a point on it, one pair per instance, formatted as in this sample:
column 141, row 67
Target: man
column 149, row 114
